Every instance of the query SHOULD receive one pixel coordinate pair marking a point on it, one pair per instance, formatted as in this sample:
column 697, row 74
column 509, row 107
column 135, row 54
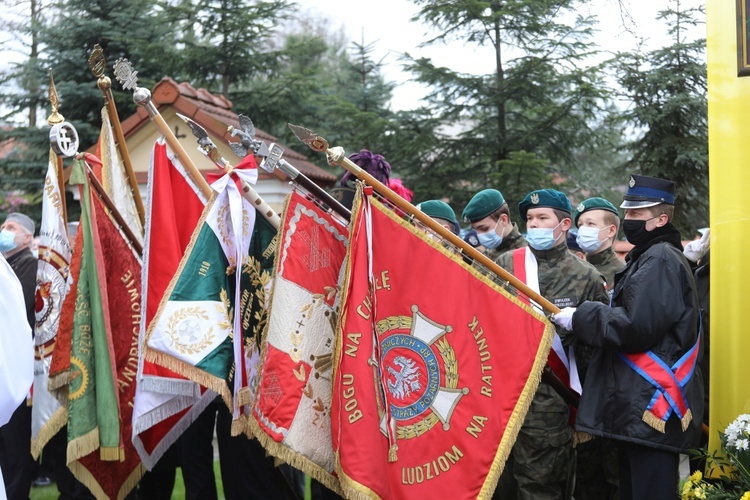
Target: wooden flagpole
column 337, row 156
column 97, row 63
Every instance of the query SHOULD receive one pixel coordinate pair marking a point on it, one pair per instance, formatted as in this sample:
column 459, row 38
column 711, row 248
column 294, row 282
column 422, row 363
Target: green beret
column 593, row 204
column 544, row 198
column 438, row 209
column 482, row 205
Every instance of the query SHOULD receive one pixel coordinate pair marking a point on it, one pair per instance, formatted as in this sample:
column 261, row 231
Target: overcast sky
column 386, row 24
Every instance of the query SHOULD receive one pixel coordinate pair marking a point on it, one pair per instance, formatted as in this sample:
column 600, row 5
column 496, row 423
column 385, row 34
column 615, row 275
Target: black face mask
column 636, row 232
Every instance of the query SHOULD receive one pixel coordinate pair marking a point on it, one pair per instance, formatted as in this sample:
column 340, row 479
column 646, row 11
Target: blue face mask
column 7, row 241
column 542, row 238
column 588, row 238
column 490, row 239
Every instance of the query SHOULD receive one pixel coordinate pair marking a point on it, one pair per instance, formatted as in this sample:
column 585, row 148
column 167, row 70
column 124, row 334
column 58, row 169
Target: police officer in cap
column 649, row 331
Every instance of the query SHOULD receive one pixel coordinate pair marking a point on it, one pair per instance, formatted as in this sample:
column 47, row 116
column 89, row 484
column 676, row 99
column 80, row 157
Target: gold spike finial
column 55, row 117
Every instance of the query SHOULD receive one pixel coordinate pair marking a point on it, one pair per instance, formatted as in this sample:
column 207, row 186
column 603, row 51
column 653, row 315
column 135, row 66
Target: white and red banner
column 165, row 402
column 291, row 412
column 53, row 280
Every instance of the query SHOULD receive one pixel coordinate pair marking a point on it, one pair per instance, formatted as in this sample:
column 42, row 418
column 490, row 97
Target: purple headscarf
column 374, row 164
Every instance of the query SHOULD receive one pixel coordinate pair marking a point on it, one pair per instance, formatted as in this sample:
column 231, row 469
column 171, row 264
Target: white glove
column 697, row 248
column 564, row 318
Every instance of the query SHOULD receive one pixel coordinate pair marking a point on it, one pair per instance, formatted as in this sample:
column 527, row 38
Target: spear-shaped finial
column 313, row 140
column 55, row 117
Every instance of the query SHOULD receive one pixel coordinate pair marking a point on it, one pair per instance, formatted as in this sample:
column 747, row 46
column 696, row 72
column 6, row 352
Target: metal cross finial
column 126, row 75
column 64, row 139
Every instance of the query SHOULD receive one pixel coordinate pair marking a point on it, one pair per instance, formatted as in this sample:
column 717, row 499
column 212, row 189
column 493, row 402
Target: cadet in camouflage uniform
column 488, row 214
column 543, row 453
column 597, row 220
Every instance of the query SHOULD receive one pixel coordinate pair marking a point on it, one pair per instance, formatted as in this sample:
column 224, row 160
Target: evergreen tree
column 20, row 81
column 538, row 103
column 317, row 83
column 668, row 91
column 23, row 93
column 131, row 29
column 225, row 42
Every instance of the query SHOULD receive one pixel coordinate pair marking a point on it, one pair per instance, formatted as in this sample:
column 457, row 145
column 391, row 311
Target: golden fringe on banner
column 84, row 476
column 82, row 446
column 296, row 460
column 51, row 427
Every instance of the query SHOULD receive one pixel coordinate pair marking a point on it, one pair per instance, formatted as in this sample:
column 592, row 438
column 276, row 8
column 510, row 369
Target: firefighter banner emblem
column 421, row 373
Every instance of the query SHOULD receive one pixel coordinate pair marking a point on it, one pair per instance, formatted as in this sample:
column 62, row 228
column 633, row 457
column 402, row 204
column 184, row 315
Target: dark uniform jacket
column 24, row 264
column 654, row 308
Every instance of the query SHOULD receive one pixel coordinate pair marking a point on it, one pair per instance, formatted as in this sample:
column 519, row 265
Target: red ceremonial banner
column 435, row 366
column 60, row 364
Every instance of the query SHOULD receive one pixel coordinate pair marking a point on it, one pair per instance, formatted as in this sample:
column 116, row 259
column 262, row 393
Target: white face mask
column 588, row 238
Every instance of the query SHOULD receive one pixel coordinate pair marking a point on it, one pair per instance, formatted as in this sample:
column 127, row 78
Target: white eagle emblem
column 407, row 379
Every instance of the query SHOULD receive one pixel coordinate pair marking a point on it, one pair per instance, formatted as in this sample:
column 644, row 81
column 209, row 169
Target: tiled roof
column 214, row 113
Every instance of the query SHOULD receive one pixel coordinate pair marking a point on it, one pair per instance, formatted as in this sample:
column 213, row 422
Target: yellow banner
column 729, row 191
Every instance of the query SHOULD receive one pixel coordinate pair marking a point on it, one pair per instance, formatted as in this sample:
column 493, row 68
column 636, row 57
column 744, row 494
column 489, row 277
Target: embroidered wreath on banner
column 260, row 279
column 177, row 320
column 450, row 364
column 226, row 310
column 223, row 219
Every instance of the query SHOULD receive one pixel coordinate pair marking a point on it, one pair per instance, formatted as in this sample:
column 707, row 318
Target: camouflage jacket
column 608, row 264
column 566, row 281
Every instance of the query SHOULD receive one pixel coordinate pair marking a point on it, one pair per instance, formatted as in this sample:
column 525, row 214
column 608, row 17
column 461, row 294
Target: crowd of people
column 630, row 333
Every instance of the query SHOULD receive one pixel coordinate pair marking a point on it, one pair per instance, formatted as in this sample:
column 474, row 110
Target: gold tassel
column 686, row 419
column 244, row 397
column 111, row 453
column 392, row 453
column 653, row 421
